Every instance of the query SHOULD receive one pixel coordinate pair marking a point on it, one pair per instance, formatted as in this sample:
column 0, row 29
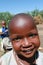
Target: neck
column 31, row 59
column 27, row 61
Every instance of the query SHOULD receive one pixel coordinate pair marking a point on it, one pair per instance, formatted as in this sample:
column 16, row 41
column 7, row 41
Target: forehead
column 21, row 25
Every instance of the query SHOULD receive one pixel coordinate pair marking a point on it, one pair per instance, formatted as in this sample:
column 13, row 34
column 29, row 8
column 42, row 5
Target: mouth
column 28, row 51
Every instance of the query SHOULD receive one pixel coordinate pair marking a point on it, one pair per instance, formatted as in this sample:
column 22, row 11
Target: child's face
column 24, row 38
column 3, row 24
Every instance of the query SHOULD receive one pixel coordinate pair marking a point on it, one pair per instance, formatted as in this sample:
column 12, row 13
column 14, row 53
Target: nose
column 26, row 43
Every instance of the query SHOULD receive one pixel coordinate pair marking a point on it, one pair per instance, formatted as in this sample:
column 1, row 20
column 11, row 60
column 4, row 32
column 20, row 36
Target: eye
column 17, row 38
column 33, row 35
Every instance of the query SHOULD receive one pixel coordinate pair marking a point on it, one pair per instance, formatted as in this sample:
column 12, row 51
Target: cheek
column 36, row 42
column 16, row 45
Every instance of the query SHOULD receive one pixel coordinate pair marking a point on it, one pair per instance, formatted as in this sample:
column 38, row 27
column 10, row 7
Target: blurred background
column 9, row 8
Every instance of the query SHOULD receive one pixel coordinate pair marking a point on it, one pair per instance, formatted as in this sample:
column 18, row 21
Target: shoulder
column 6, row 57
column 40, row 53
column 39, row 60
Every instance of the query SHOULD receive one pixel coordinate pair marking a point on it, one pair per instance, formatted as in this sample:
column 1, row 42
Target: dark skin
column 3, row 23
column 24, row 38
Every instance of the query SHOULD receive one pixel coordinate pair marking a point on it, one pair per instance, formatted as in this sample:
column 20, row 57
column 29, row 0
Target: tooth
column 28, row 50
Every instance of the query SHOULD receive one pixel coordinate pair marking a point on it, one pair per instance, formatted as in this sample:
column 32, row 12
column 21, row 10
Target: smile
column 29, row 51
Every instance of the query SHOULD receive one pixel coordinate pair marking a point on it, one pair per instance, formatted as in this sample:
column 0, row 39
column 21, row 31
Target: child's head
column 3, row 23
column 24, row 35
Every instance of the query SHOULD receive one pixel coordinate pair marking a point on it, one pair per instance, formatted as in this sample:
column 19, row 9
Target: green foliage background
column 8, row 16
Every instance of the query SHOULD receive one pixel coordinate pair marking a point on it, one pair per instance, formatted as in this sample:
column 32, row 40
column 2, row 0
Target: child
column 5, row 45
column 25, row 41
column 4, row 30
column 3, row 33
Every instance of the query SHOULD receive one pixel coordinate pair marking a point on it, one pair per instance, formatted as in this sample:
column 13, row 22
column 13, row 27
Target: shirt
column 5, row 33
column 9, row 59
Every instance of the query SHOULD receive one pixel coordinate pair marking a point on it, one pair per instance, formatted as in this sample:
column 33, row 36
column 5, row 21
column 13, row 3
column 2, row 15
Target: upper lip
column 27, row 49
